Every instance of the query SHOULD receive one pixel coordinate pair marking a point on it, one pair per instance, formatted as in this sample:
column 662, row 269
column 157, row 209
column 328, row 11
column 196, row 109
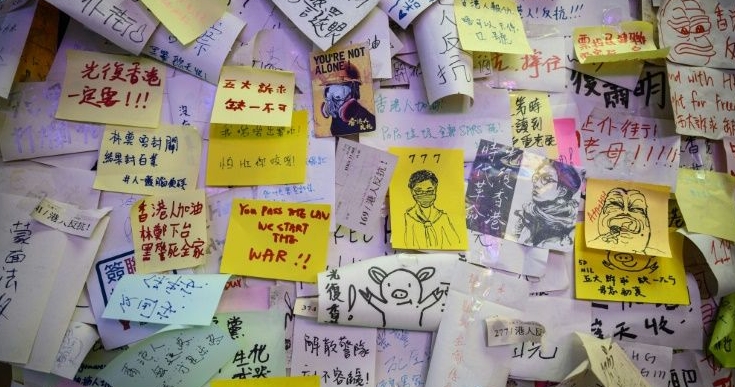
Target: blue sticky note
column 166, row 298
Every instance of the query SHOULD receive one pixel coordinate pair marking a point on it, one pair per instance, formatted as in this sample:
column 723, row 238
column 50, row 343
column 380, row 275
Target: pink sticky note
column 567, row 141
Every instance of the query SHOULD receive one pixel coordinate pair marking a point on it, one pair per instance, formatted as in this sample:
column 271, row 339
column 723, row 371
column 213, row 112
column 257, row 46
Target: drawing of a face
column 627, row 261
column 401, row 287
column 624, row 219
column 546, row 184
column 424, row 193
column 691, row 25
column 335, row 96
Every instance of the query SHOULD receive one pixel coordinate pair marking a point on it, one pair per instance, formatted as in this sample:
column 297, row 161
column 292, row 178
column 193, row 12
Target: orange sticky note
column 246, row 95
column 112, row 89
column 278, row 240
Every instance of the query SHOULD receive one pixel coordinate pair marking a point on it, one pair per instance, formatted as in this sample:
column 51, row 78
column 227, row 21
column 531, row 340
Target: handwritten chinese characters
column 186, row 19
column 256, row 154
column 628, row 41
column 617, row 276
column 183, row 357
column 702, row 100
column 166, row 298
column 124, row 22
column 145, row 161
column 276, row 240
column 67, row 217
column 533, row 123
column 491, row 26
column 247, row 95
column 325, row 21
column 169, row 231
column 112, row 89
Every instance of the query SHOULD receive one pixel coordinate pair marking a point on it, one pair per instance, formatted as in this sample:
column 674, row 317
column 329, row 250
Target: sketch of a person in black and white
column 548, row 220
column 427, row 227
column 624, row 221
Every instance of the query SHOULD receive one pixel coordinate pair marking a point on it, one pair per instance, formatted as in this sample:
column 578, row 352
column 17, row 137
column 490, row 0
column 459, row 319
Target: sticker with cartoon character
column 404, row 291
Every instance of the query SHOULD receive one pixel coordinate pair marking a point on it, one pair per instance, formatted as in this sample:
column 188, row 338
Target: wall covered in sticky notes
column 367, row 193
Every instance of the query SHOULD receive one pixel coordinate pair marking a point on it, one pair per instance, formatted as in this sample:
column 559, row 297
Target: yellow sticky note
column 247, row 95
column 491, row 26
column 286, row 381
column 149, row 161
column 258, row 155
column 187, row 19
column 425, row 211
column 628, row 41
column 112, row 89
column 278, row 240
column 169, row 232
column 533, row 122
column 614, row 276
column 706, row 201
column 627, row 217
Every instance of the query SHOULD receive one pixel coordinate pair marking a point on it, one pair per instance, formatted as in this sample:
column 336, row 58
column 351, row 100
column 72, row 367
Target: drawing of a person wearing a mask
column 427, row 227
column 341, row 103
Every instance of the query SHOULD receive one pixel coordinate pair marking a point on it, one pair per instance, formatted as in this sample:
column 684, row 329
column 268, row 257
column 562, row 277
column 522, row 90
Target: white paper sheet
column 446, row 68
column 78, row 340
column 498, row 253
column 562, row 16
column 406, row 118
column 30, row 129
column 362, row 178
column 460, row 356
column 328, row 21
column 126, row 23
column 14, row 28
column 334, row 354
column 676, row 326
column 718, row 253
column 653, row 361
column 402, row 357
column 28, row 271
column 373, row 31
column 404, row 291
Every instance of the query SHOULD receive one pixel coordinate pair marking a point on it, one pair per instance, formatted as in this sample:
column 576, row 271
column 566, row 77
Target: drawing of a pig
column 401, row 294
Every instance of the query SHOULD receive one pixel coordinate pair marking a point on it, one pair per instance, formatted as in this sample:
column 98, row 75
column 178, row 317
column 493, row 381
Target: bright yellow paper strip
column 491, row 26
column 149, row 161
column 533, row 122
column 251, row 96
column 632, row 40
column 627, row 217
column 287, row 381
column 425, row 211
column 169, row 232
column 706, row 201
column 112, row 89
column 187, row 19
column 613, row 276
column 257, row 155
column 277, row 240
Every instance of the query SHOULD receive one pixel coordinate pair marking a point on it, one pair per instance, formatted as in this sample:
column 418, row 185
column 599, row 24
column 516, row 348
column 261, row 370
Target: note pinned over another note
column 166, row 298
column 616, row 276
column 705, row 199
column 491, row 26
column 68, row 217
column 720, row 344
column 276, row 240
column 111, row 89
column 627, row 217
column 628, row 41
column 183, row 357
column 187, row 19
column 242, row 155
column 247, row 95
column 169, row 231
column 149, row 161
